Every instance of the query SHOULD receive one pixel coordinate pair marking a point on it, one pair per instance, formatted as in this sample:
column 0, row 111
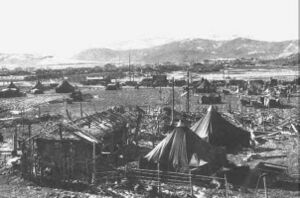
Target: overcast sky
column 64, row 27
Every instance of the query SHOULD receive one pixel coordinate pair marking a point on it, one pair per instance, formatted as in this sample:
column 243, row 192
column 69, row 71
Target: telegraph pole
column 129, row 73
column 188, row 91
column 133, row 73
column 173, row 102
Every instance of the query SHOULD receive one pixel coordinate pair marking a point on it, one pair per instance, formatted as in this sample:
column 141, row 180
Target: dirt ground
column 274, row 150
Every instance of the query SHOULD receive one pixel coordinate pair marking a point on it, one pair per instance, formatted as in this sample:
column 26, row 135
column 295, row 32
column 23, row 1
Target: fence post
column 226, row 186
column 81, row 110
column 94, row 163
column 265, row 185
column 191, row 183
column 158, row 181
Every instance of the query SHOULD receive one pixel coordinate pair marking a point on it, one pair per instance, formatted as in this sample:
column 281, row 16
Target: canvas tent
column 204, row 86
column 11, row 91
column 38, row 85
column 216, row 130
column 182, row 149
column 12, row 86
column 38, row 88
column 65, row 87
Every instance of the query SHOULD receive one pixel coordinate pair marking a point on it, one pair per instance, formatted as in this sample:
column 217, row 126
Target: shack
column 211, row 99
column 80, row 149
column 160, row 80
column 113, row 86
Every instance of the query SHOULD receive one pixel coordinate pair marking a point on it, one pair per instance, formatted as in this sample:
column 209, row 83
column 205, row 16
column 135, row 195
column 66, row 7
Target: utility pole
column 133, row 73
column 129, row 67
column 188, row 91
column 173, row 102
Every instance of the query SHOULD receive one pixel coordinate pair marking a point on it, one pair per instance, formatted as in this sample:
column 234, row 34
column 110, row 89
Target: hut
column 182, row 150
column 113, row 86
column 211, row 99
column 216, row 130
column 65, row 87
column 180, row 83
column 79, row 149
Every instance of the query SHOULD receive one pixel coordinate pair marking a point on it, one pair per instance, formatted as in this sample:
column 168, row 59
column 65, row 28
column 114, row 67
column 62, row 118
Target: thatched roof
column 97, row 126
column 67, row 132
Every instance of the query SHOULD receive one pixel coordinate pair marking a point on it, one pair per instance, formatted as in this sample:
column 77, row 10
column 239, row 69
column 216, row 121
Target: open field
column 274, row 149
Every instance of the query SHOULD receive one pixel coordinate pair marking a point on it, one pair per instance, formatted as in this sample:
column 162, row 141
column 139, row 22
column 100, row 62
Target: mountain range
column 180, row 51
column 195, row 50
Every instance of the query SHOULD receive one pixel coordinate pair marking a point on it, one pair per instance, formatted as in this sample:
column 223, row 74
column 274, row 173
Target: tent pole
column 15, row 140
column 226, row 186
column 94, row 163
column 191, row 184
column 188, row 91
column 29, row 130
column 265, row 185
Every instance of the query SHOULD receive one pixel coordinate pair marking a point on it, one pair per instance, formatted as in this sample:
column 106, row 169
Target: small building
column 148, row 82
column 211, row 99
column 77, row 150
column 96, row 81
column 160, row 80
column 113, row 86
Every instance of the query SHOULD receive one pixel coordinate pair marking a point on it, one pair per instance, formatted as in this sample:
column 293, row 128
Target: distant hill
column 195, row 50
column 21, row 59
column 292, row 60
column 12, row 61
column 187, row 50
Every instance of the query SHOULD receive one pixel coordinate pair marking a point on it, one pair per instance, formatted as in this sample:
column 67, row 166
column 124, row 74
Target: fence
column 158, row 177
column 185, row 180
